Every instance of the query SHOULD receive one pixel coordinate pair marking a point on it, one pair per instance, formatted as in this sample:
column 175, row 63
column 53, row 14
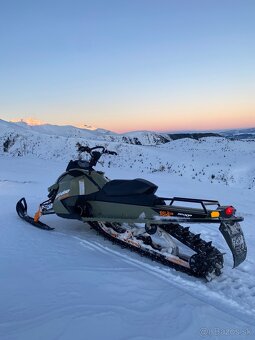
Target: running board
column 162, row 220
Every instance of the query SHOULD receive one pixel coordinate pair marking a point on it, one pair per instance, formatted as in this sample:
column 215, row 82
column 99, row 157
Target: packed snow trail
column 71, row 283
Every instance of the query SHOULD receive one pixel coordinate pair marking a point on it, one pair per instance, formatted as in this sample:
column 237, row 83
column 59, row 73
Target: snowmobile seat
column 121, row 187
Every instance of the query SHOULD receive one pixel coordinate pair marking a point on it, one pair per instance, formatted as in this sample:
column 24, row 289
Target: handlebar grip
column 112, row 153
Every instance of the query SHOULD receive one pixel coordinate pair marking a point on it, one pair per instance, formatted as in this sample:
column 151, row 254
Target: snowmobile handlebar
column 89, row 150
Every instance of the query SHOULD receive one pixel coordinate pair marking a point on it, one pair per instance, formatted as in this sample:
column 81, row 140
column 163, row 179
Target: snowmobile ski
column 21, row 208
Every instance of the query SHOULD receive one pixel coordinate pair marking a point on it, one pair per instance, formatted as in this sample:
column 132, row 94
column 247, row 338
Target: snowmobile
column 128, row 213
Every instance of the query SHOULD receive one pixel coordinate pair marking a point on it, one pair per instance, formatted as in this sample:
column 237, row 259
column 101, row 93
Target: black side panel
column 72, row 204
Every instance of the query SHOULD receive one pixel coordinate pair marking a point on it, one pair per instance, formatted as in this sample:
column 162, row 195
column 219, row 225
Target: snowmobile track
column 211, row 257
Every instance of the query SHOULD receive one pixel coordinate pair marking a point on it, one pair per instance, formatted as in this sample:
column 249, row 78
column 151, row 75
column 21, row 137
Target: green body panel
column 120, row 210
column 69, row 186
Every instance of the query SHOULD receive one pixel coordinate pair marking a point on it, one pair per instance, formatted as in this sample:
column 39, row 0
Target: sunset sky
column 129, row 64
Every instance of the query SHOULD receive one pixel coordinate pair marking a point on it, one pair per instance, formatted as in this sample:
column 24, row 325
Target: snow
column 72, row 284
column 210, row 159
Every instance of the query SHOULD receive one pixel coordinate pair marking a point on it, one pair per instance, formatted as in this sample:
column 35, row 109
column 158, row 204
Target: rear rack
column 203, row 202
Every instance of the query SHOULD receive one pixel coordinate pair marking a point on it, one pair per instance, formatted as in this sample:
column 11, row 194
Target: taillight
column 229, row 211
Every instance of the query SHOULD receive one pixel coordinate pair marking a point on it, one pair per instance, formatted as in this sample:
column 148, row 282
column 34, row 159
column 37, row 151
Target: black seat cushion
column 121, row 187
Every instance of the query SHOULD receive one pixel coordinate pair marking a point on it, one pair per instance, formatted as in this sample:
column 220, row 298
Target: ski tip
column 21, row 207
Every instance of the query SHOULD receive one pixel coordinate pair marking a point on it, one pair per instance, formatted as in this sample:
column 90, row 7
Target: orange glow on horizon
column 177, row 129
column 194, row 119
column 30, row 121
column 213, row 123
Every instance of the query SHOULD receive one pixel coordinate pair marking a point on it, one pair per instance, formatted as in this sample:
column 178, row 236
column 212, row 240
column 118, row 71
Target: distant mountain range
column 134, row 137
column 240, row 133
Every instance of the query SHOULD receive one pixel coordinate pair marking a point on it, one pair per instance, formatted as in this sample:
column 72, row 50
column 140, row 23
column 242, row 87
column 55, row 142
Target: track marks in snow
column 15, row 181
column 233, row 288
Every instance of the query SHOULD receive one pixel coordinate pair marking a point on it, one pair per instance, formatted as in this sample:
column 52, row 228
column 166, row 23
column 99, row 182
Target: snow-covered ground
column 72, row 284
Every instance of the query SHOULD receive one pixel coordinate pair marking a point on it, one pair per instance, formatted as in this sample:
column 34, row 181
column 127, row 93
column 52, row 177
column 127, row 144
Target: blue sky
column 122, row 65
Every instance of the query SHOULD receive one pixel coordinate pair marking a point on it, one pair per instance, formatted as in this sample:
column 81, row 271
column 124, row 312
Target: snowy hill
column 56, row 130
column 68, row 131
column 213, row 159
